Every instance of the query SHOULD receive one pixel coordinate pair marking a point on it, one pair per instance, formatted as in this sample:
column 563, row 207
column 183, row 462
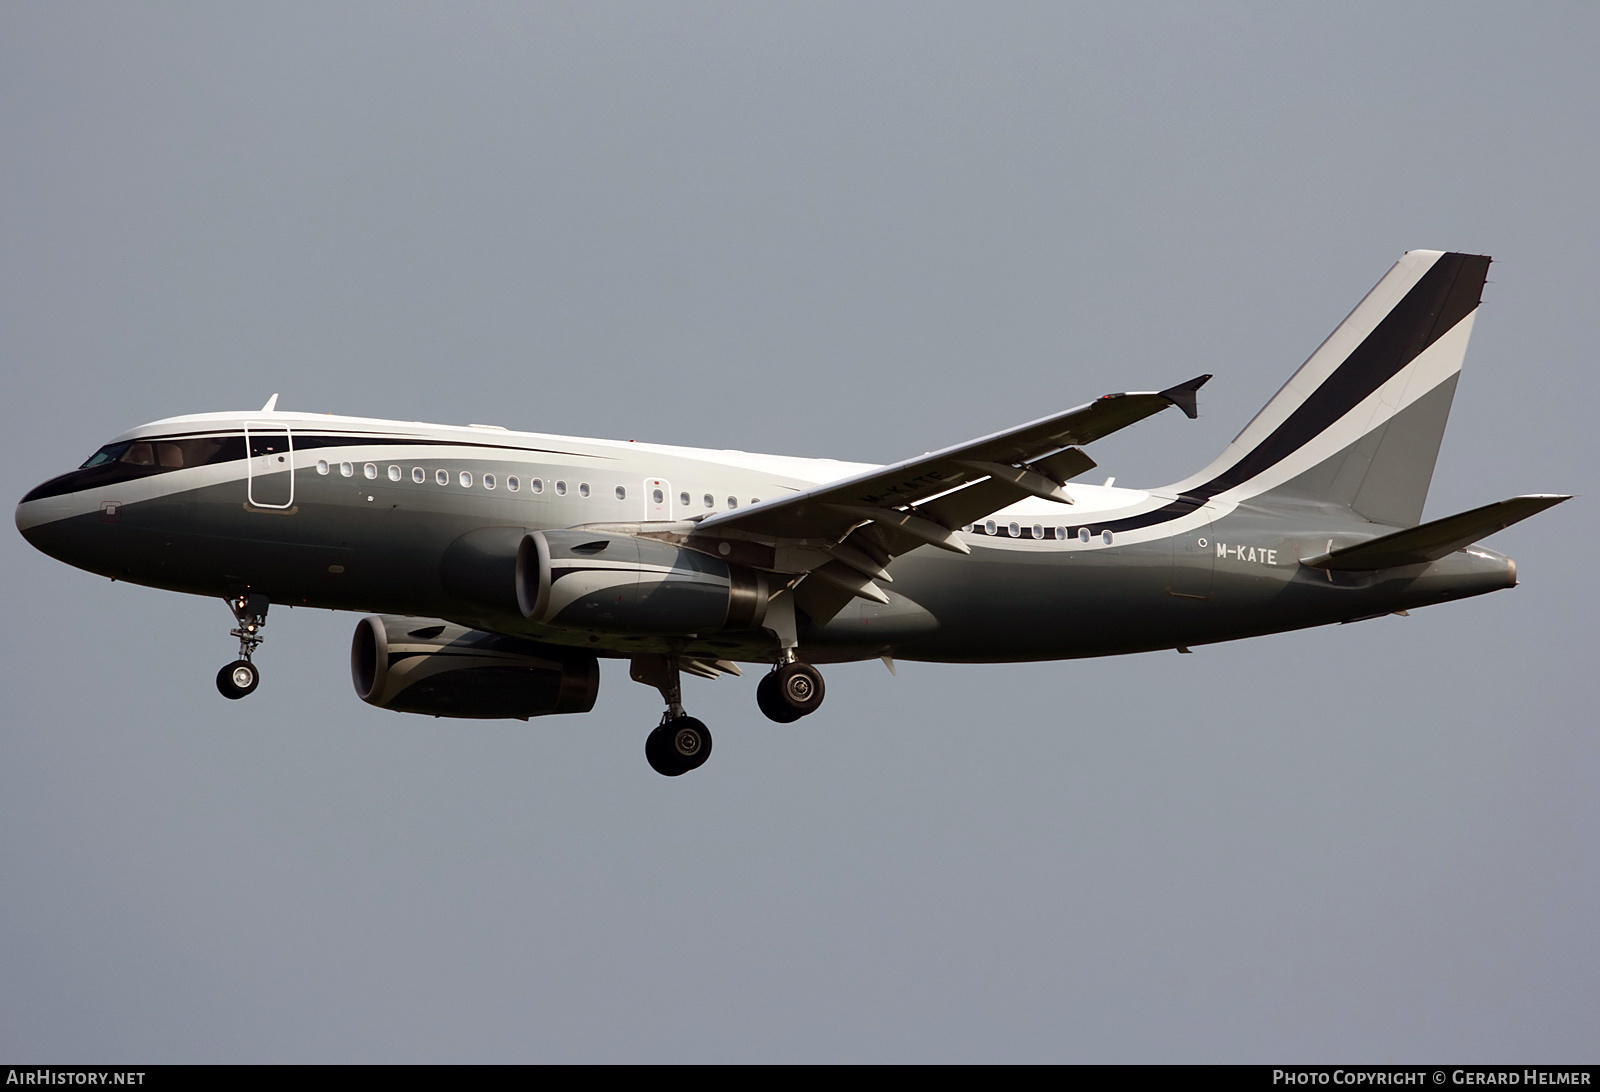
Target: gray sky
column 846, row 230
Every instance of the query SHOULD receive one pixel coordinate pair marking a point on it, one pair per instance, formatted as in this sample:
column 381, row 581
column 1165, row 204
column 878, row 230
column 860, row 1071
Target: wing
column 843, row 534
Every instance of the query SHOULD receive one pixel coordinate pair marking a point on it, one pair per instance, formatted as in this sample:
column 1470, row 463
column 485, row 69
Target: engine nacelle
column 622, row 584
column 444, row 670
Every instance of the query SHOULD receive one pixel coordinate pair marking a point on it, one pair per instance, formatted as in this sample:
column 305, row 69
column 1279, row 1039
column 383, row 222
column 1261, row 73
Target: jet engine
column 417, row 666
column 622, row 584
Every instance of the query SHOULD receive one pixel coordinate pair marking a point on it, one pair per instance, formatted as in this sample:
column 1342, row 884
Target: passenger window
column 488, row 481
column 989, row 527
column 1014, row 531
column 622, row 494
column 1083, row 535
column 394, row 473
column 710, row 501
column 658, row 496
column 417, row 475
column 733, row 502
column 1038, row 531
column 322, row 466
column 583, row 489
column 442, row 477
column 1061, row 534
column 683, row 499
column 370, row 471
column 536, row 485
column 513, row 484
column 1105, row 536
column 561, row 489
column 755, row 500
column 345, row 470
column 465, row 478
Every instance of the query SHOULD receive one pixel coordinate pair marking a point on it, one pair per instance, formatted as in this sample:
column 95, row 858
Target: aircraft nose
column 51, row 523
column 33, row 527
column 29, row 515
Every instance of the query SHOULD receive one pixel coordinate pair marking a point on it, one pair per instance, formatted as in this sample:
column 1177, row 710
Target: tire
column 678, row 746
column 655, row 753
column 771, row 702
column 238, row 679
column 799, row 686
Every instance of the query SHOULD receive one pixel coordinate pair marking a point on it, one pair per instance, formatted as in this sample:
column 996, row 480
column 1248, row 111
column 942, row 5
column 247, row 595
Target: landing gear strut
column 680, row 743
column 790, row 691
column 240, row 678
column 793, row 689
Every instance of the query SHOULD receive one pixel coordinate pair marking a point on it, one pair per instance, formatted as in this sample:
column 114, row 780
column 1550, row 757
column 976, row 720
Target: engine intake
column 622, row 584
column 416, row 666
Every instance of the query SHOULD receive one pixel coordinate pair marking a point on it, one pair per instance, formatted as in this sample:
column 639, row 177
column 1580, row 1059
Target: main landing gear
column 790, row 691
column 241, row 677
column 680, row 743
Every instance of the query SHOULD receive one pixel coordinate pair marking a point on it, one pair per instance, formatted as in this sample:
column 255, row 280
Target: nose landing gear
column 237, row 679
column 240, row 678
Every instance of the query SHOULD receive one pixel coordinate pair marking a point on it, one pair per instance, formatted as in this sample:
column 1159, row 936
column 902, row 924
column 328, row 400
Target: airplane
column 499, row 567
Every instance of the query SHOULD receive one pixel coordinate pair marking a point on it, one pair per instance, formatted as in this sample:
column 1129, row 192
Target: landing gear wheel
column 238, row 679
column 678, row 746
column 799, row 687
column 771, row 702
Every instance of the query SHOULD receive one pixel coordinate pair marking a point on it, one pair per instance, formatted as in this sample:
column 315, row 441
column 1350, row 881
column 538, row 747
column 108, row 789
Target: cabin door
column 270, row 459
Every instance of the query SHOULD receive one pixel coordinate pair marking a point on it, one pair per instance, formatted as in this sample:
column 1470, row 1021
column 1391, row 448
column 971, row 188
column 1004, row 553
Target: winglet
column 1183, row 395
column 272, row 404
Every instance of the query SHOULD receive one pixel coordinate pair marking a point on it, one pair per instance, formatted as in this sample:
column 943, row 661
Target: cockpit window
column 108, row 454
column 169, row 454
column 131, row 459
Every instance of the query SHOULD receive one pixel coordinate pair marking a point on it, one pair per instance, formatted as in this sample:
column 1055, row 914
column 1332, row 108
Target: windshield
column 168, row 454
column 107, row 454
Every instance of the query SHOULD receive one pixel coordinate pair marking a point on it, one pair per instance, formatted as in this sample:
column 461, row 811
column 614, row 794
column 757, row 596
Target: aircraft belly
column 1002, row 605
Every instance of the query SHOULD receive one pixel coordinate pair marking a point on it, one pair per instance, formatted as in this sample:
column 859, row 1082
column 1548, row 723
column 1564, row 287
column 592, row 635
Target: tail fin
column 1359, row 425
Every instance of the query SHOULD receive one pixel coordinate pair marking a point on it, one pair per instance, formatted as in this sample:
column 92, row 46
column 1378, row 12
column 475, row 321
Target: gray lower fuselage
column 365, row 526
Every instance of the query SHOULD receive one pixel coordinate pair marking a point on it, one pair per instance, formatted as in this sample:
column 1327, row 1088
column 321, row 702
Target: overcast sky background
column 852, row 230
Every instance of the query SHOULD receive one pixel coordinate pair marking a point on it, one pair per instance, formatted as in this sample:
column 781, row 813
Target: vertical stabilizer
column 1359, row 425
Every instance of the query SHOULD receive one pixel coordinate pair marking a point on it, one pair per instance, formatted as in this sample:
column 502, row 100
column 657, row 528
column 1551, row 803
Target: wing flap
column 1063, row 466
column 971, row 504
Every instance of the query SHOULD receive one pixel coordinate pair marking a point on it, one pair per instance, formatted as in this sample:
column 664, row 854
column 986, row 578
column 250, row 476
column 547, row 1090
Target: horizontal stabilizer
column 1431, row 541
